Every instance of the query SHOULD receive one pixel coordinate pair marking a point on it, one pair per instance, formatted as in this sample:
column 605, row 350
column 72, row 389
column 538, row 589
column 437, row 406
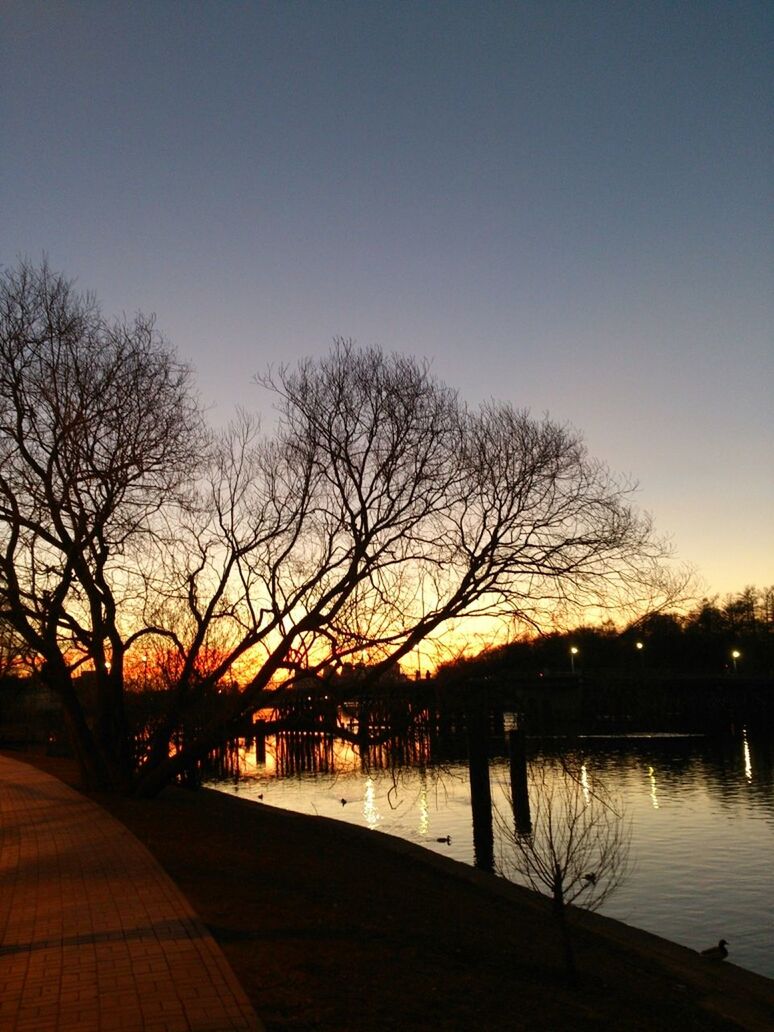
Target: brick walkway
column 94, row 936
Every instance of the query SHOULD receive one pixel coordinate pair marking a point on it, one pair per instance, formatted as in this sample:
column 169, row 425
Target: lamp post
column 573, row 654
column 735, row 655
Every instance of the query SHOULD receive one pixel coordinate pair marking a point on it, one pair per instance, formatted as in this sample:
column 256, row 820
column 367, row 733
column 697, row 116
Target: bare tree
column 382, row 509
column 577, row 851
column 379, row 510
column 97, row 431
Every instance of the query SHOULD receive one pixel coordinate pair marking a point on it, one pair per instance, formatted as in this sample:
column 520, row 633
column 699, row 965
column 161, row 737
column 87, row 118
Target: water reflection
column 423, row 824
column 584, row 778
column 653, row 790
column 370, row 810
column 702, row 810
column 746, row 754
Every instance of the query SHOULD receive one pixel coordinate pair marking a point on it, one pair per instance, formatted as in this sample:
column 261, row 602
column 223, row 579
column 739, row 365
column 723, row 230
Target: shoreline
column 328, row 926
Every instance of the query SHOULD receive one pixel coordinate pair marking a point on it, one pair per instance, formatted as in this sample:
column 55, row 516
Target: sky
column 562, row 205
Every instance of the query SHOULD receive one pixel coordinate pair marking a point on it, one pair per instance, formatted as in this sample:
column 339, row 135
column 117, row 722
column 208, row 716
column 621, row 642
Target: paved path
column 94, row 936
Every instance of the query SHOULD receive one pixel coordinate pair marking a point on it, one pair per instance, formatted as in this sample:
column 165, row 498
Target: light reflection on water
column 702, row 815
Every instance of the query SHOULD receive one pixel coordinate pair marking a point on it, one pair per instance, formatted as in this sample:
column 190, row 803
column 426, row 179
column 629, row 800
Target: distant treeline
column 733, row 636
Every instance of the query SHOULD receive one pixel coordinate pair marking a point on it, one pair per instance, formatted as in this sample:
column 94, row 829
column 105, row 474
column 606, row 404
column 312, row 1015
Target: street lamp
column 573, row 654
column 735, row 655
column 639, row 647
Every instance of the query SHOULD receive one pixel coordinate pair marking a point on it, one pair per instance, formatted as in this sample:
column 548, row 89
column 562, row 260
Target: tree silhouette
column 97, row 433
column 379, row 509
column 577, row 851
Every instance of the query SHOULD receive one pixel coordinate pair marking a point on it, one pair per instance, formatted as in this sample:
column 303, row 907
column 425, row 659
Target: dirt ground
column 329, row 926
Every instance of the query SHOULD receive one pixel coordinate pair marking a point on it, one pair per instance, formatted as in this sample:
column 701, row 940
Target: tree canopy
column 698, row 641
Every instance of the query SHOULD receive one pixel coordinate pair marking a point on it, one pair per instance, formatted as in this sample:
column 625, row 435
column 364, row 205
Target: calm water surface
column 702, row 812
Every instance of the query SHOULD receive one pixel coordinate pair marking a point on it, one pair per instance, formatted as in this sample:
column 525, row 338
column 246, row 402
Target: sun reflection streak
column 748, row 771
column 370, row 811
column 585, row 783
column 424, row 809
column 653, row 790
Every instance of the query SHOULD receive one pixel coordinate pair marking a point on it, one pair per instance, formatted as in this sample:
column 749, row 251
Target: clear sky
column 566, row 205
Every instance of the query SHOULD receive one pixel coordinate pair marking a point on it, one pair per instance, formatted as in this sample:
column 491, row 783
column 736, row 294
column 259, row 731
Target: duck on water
column 718, row 952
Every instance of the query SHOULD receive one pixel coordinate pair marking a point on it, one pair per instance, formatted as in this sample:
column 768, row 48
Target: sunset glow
column 561, row 208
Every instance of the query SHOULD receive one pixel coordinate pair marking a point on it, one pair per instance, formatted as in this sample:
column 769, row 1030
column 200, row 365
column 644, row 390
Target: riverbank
column 328, row 926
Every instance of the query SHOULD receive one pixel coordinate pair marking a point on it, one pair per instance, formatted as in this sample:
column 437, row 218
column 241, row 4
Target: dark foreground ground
column 329, row 927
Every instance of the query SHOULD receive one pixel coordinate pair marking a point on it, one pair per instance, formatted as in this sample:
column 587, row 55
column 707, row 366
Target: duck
column 343, row 802
column 718, row 952
column 445, row 838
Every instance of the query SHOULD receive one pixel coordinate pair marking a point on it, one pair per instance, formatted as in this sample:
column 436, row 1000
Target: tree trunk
column 560, row 913
column 93, row 769
column 112, row 736
column 103, row 762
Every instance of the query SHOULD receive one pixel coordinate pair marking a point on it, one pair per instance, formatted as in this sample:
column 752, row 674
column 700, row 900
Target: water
column 701, row 811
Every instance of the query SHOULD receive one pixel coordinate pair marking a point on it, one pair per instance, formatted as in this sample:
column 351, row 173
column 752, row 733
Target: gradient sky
column 566, row 205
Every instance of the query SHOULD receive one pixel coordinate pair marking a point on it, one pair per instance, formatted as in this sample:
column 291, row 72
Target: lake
column 701, row 811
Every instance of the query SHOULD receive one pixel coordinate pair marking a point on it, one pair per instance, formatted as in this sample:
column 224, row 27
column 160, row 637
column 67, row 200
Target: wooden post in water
column 260, row 741
column 517, row 755
column 480, row 792
column 363, row 725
